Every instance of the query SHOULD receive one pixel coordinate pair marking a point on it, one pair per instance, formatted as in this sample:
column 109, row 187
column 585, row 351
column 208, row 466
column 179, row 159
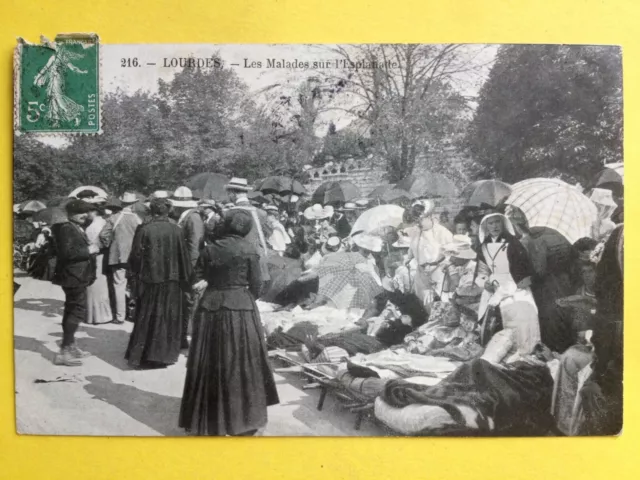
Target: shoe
column 77, row 353
column 117, row 322
column 66, row 358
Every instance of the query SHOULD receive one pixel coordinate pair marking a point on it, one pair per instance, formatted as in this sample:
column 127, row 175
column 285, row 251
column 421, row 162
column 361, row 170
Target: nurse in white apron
column 504, row 271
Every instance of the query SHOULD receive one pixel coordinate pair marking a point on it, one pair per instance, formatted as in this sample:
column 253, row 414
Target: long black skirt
column 229, row 382
column 155, row 339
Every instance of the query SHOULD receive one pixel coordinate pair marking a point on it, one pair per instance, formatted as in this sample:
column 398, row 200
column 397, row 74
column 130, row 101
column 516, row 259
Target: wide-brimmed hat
column 362, row 203
column 460, row 248
column 206, row 202
column 156, row 194
column 318, row 212
column 271, row 208
column 404, row 241
column 348, row 207
column 183, row 197
column 128, row 198
column 332, row 245
column 238, row 184
column 368, row 242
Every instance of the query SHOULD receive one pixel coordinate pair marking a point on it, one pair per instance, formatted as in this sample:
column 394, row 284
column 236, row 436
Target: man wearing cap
column 210, row 213
column 237, row 189
column 345, row 220
column 186, row 209
column 75, row 271
column 117, row 236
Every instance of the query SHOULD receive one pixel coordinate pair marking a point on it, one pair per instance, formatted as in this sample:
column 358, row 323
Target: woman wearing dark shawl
column 229, row 383
column 160, row 270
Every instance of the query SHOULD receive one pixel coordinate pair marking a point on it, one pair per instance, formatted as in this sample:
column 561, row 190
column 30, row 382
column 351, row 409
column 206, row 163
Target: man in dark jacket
column 75, row 271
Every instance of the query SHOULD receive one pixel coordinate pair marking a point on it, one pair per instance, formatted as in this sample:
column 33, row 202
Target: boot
column 66, row 357
column 77, row 353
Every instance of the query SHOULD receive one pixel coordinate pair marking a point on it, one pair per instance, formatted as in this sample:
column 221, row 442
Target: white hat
column 368, row 242
column 332, row 245
column 460, row 248
column 362, row 203
column 482, row 233
column 404, row 241
column 603, row 197
column 294, row 198
column 428, row 205
column 271, row 208
column 349, row 206
column 318, row 212
column 183, row 197
column 160, row 194
column 207, row 203
column 128, row 198
column 238, row 184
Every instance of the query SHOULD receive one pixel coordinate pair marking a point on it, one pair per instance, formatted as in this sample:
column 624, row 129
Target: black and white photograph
column 318, row 240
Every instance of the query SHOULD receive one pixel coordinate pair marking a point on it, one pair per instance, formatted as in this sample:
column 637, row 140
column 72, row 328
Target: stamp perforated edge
column 17, row 59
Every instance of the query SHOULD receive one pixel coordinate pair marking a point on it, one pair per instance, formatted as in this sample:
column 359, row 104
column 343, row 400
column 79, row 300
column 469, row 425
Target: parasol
column 485, row 192
column 376, row 219
column 51, row 215
column 210, row 186
column 281, row 185
column 347, row 280
column 30, row 207
column 97, row 190
column 613, row 173
column 555, row 204
column 428, row 184
column 335, row 192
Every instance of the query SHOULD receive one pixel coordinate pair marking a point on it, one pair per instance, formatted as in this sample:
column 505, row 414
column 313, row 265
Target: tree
column 407, row 94
column 550, row 111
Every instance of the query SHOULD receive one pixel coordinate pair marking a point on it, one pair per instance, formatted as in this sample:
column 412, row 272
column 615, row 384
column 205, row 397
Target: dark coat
column 193, row 233
column 520, row 265
column 231, row 267
column 75, row 266
column 159, row 254
column 343, row 227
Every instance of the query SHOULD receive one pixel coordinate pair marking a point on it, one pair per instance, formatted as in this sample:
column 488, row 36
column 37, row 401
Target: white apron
column 517, row 306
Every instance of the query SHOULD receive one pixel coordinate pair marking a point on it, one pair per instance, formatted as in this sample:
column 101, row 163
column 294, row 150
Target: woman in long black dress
column 160, row 270
column 229, row 382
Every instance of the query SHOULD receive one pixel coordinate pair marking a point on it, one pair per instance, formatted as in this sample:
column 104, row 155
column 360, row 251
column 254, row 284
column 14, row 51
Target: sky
column 154, row 60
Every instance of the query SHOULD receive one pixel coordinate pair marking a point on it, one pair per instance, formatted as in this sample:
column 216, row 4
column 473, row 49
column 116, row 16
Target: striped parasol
column 555, row 204
column 347, row 280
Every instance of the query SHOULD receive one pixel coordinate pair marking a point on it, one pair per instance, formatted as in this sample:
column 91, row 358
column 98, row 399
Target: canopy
column 377, row 218
column 281, row 185
column 555, row 204
column 347, row 280
column 97, row 190
column 31, row 206
column 428, row 184
column 485, row 192
column 209, row 185
column 335, row 192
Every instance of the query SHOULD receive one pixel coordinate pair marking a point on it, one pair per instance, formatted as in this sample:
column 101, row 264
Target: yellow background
column 311, row 21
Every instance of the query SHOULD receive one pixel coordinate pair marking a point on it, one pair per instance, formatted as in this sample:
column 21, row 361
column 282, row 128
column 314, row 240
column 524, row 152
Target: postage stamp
column 57, row 85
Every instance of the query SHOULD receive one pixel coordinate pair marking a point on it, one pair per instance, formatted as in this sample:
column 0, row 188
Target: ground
column 106, row 397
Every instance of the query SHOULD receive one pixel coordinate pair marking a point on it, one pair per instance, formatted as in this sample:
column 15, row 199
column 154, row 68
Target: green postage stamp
column 57, row 85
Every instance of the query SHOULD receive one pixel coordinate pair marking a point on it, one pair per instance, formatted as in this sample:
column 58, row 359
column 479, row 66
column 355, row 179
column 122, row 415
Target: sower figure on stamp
column 237, row 189
column 186, row 210
column 75, row 271
column 117, row 235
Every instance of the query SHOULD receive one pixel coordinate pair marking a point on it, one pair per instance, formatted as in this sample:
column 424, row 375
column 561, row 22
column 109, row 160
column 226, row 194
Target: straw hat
column 238, row 184
column 128, row 198
column 362, row 203
column 207, row 203
column 460, row 248
column 332, row 245
column 183, row 197
column 270, row 208
column 318, row 212
column 348, row 207
column 368, row 242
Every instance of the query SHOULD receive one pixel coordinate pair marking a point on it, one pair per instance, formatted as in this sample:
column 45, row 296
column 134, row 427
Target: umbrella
column 428, row 185
column 556, row 205
column 31, row 206
column 281, row 185
column 97, row 190
column 613, row 173
column 210, row 186
column 259, row 197
column 335, row 192
column 51, row 215
column 389, row 193
column 379, row 191
column 485, row 192
column 347, row 280
column 377, row 218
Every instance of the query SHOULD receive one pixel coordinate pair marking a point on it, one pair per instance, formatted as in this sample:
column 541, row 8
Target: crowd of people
column 189, row 273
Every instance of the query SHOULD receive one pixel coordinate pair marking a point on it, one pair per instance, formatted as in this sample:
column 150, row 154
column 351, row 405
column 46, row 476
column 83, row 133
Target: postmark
column 57, row 85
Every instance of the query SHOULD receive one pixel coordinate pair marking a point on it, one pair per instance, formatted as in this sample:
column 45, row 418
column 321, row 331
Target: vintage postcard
column 317, row 240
